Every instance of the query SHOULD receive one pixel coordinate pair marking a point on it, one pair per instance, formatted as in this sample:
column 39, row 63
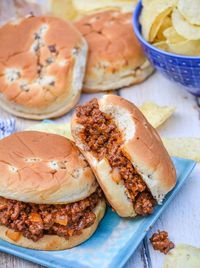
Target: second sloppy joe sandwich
column 127, row 155
column 49, row 198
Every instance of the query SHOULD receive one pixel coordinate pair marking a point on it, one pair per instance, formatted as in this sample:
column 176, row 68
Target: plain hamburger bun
column 115, row 58
column 42, row 65
column 142, row 145
column 54, row 242
column 43, row 168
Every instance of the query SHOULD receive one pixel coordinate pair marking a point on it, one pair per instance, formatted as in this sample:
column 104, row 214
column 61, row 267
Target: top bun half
column 142, row 146
column 42, row 65
column 43, row 168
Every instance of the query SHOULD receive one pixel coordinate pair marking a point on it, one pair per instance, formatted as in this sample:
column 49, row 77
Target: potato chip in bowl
column 179, row 20
column 167, row 46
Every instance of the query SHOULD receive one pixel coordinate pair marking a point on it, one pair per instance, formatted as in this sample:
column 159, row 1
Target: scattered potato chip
column 183, row 256
column 155, row 114
column 154, row 11
column 188, row 148
column 60, row 129
column 89, row 6
column 76, row 9
column 184, row 28
column 190, row 9
column 63, row 9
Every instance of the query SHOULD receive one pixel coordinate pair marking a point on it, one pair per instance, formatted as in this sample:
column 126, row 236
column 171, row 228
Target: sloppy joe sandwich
column 42, row 64
column 49, row 198
column 127, row 155
column 115, row 58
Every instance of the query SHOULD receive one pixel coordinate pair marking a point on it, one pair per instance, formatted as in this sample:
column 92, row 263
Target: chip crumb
column 161, row 242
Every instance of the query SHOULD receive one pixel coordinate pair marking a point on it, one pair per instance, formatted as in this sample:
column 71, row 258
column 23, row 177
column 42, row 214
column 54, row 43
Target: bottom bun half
column 104, row 81
column 54, row 242
column 114, row 192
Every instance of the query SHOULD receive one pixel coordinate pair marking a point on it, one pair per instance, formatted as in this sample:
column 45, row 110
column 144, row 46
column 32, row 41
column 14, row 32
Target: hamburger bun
column 42, row 65
column 115, row 57
column 141, row 145
column 55, row 242
column 43, row 168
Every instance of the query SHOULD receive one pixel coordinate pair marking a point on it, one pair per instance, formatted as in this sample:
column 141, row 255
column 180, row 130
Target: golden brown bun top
column 111, row 39
column 43, row 168
column 36, row 57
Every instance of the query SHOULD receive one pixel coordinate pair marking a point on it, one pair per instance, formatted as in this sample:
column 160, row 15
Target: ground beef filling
column 101, row 136
column 34, row 221
column 161, row 242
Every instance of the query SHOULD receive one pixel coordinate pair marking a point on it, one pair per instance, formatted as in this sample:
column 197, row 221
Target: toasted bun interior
column 54, row 242
column 43, row 168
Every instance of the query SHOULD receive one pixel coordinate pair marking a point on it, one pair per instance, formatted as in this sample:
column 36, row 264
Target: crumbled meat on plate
column 101, row 136
column 161, row 242
column 34, row 220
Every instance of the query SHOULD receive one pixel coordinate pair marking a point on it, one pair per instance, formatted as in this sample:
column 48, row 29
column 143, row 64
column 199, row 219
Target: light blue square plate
column 114, row 241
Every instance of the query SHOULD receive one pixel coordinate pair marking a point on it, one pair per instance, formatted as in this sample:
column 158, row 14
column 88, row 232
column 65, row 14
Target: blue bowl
column 184, row 70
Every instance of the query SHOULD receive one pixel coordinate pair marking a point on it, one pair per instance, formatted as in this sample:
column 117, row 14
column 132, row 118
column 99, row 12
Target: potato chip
column 158, row 23
column 190, row 9
column 152, row 16
column 188, row 148
column 179, row 45
column 155, row 114
column 63, row 9
column 172, row 36
column 60, row 129
column 89, row 6
column 187, row 47
column 167, row 23
column 183, row 256
column 184, row 28
column 162, row 45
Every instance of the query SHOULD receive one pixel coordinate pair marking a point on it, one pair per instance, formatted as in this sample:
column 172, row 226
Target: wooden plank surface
column 181, row 219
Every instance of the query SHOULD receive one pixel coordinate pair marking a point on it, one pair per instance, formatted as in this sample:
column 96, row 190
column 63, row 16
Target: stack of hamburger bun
column 46, row 61
column 53, row 190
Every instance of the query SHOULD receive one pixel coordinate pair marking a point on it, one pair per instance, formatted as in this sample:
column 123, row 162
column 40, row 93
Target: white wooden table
column 182, row 217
